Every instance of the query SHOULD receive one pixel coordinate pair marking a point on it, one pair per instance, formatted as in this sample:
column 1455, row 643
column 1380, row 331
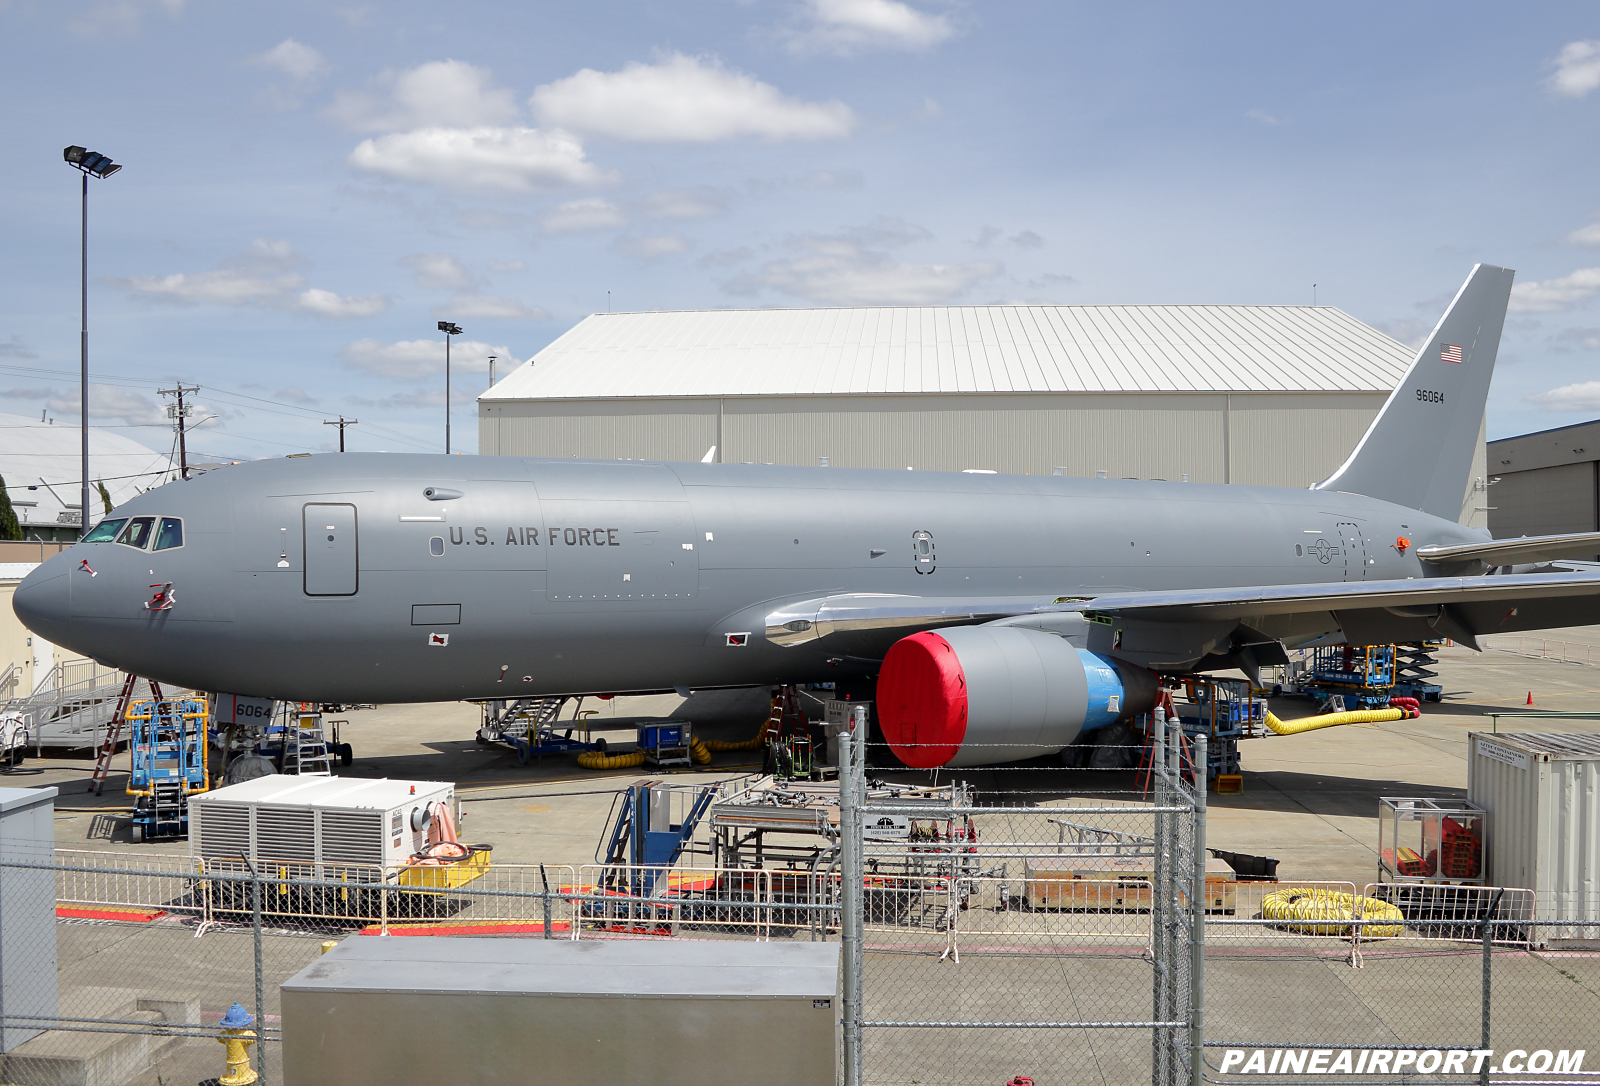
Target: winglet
column 1418, row 451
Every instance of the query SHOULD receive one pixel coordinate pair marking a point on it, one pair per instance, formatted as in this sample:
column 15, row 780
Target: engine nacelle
column 978, row 695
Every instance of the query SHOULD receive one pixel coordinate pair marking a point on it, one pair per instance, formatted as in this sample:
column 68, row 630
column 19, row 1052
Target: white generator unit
column 327, row 822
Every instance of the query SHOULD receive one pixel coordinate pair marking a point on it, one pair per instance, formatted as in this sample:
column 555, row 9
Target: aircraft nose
column 43, row 601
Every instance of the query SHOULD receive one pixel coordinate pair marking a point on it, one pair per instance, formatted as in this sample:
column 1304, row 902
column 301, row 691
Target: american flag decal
column 1450, row 353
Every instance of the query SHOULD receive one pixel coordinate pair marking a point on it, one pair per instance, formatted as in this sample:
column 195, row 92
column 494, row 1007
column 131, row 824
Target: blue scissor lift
column 168, row 754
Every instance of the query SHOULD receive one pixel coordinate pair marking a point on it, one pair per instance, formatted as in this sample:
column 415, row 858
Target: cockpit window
column 105, row 531
column 137, row 533
column 170, row 534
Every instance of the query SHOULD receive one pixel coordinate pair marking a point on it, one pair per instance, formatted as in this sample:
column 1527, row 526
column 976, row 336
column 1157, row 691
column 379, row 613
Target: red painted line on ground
column 91, row 912
column 487, row 927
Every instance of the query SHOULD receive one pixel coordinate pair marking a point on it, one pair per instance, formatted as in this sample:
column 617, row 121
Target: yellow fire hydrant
column 237, row 1037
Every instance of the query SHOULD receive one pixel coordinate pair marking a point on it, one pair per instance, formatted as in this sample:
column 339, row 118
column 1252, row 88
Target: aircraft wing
column 1510, row 552
column 1212, row 627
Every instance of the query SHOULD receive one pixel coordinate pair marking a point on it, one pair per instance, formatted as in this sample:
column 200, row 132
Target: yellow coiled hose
column 599, row 759
column 1295, row 903
column 748, row 744
column 1330, row 720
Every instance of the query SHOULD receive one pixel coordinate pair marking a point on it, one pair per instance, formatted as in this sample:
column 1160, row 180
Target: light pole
column 449, row 330
column 87, row 163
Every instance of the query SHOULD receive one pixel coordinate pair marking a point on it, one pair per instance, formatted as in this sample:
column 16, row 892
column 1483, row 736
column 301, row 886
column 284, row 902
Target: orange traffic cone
column 1530, row 697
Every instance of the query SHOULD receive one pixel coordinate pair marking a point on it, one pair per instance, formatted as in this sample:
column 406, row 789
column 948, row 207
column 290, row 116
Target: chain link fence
column 1026, row 932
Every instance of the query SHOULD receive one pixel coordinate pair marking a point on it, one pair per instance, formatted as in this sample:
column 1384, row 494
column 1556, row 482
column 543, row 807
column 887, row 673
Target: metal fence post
column 1197, row 930
column 851, row 899
column 1488, row 969
column 1158, row 899
column 546, row 880
column 261, row 997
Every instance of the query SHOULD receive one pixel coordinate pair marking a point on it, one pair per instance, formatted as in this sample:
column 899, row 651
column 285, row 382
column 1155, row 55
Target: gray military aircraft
column 1002, row 615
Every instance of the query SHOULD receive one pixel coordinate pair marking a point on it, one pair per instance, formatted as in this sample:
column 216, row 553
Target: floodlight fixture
column 449, row 329
column 90, row 164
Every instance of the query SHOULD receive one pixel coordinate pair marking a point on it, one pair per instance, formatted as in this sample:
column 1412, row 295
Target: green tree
column 9, row 528
column 105, row 496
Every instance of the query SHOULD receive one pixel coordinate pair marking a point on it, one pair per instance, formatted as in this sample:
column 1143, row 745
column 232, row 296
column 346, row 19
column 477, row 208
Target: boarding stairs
column 527, row 718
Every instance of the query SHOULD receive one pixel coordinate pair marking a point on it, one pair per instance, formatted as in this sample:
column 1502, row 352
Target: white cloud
column 684, row 99
column 438, row 271
column 15, row 348
column 1584, row 396
column 507, row 266
column 841, row 270
column 440, row 94
column 259, row 276
column 655, row 246
column 578, row 216
column 696, row 203
column 479, row 306
column 496, row 160
column 1577, row 69
column 111, row 402
column 295, row 60
column 1026, row 239
column 328, row 304
column 107, row 17
column 410, row 360
column 1584, row 339
column 1553, row 295
column 229, row 286
column 1585, row 235
column 848, row 26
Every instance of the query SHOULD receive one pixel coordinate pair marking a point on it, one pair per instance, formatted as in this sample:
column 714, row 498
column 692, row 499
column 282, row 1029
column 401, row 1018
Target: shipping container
column 1542, row 795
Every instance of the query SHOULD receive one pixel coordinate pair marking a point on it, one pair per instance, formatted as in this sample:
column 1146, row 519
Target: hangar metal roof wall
column 961, row 349
column 48, row 459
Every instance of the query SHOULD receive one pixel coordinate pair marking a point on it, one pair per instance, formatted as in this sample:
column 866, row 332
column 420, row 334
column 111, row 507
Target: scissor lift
column 168, row 754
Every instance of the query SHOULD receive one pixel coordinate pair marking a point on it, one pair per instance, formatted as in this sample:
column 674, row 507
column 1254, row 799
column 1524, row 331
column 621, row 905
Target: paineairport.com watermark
column 1399, row 1061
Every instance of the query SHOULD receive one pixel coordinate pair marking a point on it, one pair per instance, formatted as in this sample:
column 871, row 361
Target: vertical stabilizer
column 1418, row 451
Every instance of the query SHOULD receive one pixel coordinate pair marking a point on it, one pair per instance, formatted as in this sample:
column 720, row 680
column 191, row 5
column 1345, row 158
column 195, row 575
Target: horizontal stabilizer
column 1510, row 552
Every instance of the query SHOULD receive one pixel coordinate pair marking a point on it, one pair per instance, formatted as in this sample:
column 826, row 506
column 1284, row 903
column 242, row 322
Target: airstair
column 529, row 726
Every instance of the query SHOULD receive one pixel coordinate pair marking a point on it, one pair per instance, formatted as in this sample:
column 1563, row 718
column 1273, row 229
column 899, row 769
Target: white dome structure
column 42, row 465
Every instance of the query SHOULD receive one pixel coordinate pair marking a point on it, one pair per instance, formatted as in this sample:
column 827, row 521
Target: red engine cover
column 922, row 700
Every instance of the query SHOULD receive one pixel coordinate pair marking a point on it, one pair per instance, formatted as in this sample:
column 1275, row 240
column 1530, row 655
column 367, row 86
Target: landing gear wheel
column 346, row 755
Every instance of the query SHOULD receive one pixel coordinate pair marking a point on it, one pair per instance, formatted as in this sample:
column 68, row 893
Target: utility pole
column 177, row 412
column 341, row 424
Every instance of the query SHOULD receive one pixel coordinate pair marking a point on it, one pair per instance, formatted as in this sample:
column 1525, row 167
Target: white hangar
column 1272, row 395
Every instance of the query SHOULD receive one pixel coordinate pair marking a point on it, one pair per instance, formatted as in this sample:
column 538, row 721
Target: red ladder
column 102, row 763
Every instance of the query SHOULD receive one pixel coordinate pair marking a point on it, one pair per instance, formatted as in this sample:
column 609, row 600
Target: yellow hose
column 748, row 744
column 1329, row 720
column 1300, row 903
column 698, row 751
column 599, row 759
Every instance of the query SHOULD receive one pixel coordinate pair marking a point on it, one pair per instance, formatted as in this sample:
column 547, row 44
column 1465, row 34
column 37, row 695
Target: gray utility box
column 622, row 1012
column 27, row 913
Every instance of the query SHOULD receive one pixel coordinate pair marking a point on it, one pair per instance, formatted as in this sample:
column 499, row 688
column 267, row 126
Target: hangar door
column 330, row 539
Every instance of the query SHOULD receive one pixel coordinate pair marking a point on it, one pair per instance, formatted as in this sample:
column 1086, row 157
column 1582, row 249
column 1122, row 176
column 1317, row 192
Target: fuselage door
column 330, row 542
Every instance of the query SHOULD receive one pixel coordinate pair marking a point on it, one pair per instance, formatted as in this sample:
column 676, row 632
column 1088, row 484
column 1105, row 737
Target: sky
column 309, row 188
